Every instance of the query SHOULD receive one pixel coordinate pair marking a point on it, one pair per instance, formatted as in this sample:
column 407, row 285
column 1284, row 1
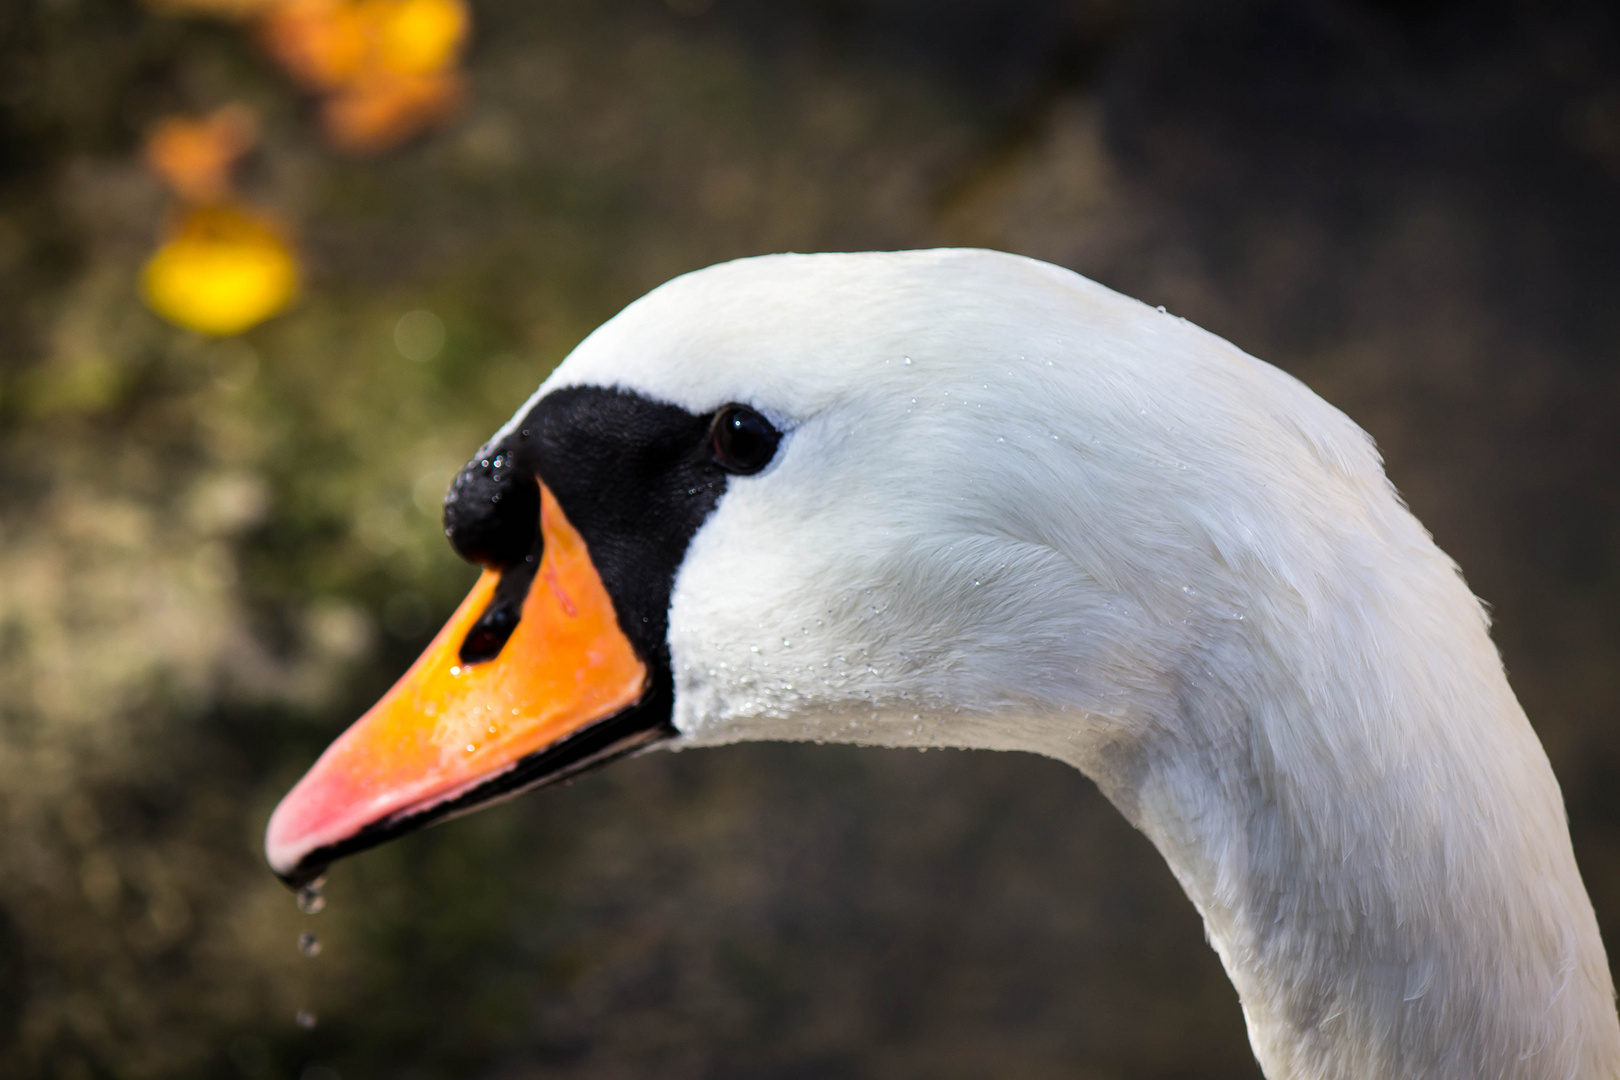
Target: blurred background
column 219, row 503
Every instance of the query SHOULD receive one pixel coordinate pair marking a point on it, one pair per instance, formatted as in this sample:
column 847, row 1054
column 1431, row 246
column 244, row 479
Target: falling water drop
column 309, row 944
column 310, row 900
column 305, row 1019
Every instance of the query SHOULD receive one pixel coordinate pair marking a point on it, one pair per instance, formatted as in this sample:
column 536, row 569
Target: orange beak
column 451, row 735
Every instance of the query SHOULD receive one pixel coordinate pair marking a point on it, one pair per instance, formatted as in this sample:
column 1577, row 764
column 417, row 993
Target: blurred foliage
column 387, row 68
column 215, row 553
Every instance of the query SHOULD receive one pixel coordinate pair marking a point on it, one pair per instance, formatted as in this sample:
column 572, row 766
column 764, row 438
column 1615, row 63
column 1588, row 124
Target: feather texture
column 1016, row 510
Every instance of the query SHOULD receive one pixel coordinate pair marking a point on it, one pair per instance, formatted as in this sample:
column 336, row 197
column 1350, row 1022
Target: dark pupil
column 744, row 441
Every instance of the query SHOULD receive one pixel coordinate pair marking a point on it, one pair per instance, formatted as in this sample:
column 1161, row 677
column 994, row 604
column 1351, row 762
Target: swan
column 964, row 498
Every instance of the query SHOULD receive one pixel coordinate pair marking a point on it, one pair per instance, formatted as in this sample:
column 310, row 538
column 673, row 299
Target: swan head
column 964, row 498
column 922, row 498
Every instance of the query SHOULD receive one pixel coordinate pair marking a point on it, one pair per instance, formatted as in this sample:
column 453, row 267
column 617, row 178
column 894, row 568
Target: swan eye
column 743, row 441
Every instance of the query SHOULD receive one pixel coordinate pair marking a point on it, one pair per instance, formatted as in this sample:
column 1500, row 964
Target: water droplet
column 1046, row 363
column 456, row 670
column 309, row 944
column 753, row 648
column 1161, row 310
column 306, row 1019
column 908, row 361
column 471, row 747
column 310, row 900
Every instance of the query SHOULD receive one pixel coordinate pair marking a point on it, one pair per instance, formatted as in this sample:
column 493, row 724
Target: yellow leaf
column 419, row 36
column 223, row 271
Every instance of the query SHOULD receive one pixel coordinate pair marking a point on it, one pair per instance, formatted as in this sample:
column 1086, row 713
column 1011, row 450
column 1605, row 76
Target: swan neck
column 1382, row 861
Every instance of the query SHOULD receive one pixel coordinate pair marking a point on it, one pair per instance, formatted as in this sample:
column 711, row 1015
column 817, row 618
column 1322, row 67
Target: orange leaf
column 383, row 111
column 324, row 44
column 194, row 157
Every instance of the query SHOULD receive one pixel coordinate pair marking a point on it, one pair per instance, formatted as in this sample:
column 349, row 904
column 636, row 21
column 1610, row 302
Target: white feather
column 1014, row 509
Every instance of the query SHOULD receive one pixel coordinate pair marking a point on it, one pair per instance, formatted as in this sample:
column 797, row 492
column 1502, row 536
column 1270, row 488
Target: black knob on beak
column 492, row 510
column 492, row 517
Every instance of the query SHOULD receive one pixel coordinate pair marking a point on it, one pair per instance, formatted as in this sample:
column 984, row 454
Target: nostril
column 489, row 634
column 492, row 511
